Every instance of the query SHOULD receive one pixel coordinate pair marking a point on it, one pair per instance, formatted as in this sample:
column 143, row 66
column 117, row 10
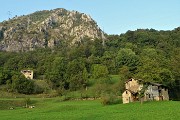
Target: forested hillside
column 142, row 54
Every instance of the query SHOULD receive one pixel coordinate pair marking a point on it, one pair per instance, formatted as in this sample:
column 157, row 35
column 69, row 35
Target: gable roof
column 150, row 83
column 129, row 80
column 156, row 84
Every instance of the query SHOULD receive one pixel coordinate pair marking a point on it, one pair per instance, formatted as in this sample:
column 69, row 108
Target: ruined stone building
column 27, row 73
column 154, row 91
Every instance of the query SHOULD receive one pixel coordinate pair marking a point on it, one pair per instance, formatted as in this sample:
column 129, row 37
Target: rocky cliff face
column 47, row 29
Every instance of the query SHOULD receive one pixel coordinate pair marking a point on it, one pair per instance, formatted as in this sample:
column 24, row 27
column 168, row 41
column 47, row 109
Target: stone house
column 27, row 73
column 154, row 91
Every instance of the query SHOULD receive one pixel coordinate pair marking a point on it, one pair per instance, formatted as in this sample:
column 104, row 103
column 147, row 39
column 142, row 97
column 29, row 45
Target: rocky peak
column 47, row 29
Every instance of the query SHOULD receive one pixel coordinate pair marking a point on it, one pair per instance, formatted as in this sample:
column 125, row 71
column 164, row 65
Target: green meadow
column 55, row 109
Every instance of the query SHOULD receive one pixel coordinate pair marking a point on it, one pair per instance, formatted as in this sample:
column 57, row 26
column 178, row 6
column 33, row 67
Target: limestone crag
column 47, row 29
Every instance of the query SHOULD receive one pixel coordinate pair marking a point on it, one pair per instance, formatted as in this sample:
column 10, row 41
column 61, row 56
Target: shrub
column 64, row 98
column 22, row 85
column 41, row 86
column 109, row 99
column 27, row 101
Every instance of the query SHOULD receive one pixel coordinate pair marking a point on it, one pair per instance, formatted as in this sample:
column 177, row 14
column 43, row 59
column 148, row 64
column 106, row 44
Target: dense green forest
column 142, row 54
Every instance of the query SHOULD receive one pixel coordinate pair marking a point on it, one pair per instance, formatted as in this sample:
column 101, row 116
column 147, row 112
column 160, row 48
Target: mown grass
column 47, row 109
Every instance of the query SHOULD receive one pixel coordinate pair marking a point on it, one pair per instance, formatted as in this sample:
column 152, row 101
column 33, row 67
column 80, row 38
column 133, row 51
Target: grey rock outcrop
column 46, row 29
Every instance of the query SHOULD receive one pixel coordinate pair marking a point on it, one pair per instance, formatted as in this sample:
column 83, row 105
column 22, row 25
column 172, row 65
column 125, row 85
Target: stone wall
column 132, row 85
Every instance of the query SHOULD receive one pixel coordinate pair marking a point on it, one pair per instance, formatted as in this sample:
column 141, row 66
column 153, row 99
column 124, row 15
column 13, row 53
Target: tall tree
column 56, row 73
column 126, row 57
column 75, row 74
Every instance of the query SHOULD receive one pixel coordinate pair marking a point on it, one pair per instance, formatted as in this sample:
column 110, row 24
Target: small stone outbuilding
column 127, row 96
column 27, row 73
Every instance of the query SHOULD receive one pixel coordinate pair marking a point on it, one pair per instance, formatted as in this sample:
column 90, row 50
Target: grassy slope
column 115, row 78
column 92, row 110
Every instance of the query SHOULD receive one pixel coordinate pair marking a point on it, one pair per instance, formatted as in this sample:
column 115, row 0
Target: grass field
column 54, row 109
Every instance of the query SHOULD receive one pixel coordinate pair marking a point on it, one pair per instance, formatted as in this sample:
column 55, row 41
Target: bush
column 65, row 98
column 40, row 86
column 27, row 101
column 109, row 99
column 22, row 85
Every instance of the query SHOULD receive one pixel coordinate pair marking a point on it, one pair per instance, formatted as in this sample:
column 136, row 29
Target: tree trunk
column 141, row 100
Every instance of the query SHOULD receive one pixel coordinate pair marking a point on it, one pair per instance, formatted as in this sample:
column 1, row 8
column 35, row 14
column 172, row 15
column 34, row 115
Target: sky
column 112, row 16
